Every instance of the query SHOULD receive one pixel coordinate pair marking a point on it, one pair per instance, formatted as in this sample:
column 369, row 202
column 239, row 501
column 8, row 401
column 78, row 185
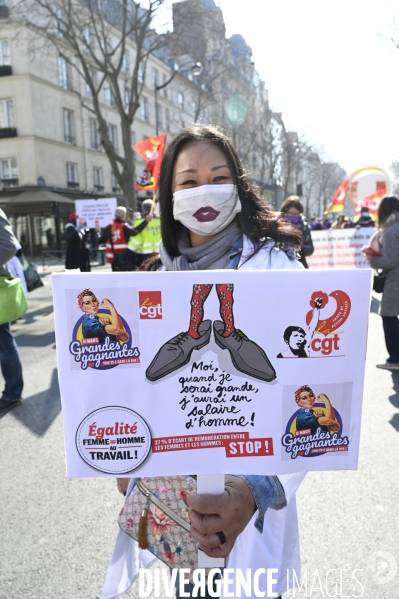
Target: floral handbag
column 156, row 515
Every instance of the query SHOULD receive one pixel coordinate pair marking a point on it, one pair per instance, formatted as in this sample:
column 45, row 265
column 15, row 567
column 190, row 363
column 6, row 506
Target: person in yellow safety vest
column 146, row 243
column 116, row 238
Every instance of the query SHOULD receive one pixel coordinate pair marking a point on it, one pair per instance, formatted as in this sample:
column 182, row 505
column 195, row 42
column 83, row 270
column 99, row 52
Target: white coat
column 276, row 547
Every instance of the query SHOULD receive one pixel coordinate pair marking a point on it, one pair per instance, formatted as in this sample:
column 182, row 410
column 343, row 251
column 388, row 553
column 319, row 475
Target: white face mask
column 207, row 209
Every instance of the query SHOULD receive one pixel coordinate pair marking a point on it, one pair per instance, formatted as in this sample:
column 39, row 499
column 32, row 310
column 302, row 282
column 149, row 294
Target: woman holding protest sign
column 383, row 253
column 213, row 219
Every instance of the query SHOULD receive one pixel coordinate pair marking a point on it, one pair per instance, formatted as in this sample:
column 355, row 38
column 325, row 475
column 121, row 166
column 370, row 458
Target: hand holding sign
column 228, row 513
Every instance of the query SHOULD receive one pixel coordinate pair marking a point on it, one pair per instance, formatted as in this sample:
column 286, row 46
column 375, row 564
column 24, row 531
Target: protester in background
column 326, row 223
column 15, row 268
column 315, row 224
column 365, row 219
column 388, row 223
column 292, row 209
column 146, row 243
column 10, row 361
column 342, row 222
column 116, row 238
column 77, row 253
column 200, row 166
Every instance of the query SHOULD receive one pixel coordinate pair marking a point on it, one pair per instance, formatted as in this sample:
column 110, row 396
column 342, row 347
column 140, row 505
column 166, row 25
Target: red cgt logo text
column 150, row 305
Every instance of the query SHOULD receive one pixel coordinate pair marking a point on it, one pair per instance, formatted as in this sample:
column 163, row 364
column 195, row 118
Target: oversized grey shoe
column 176, row 352
column 246, row 356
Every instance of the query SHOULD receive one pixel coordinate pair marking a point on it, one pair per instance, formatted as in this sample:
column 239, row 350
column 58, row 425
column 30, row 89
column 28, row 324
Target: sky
column 330, row 70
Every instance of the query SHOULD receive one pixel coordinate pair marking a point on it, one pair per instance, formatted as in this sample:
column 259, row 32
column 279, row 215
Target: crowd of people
column 126, row 246
column 343, row 222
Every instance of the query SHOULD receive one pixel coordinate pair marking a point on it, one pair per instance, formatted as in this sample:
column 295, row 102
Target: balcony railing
column 73, row 184
column 5, row 69
column 8, row 132
column 69, row 139
column 10, row 182
column 99, row 188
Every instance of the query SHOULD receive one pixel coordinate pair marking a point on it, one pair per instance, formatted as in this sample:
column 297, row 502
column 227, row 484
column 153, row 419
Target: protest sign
column 95, row 214
column 340, row 248
column 211, row 372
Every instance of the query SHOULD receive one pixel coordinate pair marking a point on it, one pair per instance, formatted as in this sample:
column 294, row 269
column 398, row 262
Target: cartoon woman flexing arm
column 309, row 417
column 100, row 325
column 327, row 417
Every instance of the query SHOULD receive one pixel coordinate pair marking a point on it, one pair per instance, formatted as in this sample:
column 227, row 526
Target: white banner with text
column 340, row 248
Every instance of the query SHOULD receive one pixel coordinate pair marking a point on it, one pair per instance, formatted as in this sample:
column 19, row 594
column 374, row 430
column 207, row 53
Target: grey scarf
column 211, row 255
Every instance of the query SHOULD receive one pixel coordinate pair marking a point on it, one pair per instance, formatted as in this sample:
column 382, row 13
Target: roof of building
column 209, row 5
column 239, row 42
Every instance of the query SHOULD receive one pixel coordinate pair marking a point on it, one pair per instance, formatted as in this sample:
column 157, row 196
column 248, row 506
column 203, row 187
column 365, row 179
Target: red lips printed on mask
column 206, row 215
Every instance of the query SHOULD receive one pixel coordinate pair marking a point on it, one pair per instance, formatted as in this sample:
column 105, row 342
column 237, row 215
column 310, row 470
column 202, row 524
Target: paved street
column 57, row 534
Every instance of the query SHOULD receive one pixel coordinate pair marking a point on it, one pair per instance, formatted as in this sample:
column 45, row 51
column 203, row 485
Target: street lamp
column 195, row 70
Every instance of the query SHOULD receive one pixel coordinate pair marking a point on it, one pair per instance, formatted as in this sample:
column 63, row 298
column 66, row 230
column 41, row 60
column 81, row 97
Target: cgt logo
column 150, row 305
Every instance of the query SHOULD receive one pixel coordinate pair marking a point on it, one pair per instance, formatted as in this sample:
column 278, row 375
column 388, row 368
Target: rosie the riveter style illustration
column 101, row 338
column 100, row 325
column 299, row 340
column 315, row 429
column 246, row 355
column 310, row 418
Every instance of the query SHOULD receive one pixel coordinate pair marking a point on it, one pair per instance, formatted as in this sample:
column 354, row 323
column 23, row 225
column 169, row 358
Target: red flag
column 372, row 202
column 338, row 202
column 152, row 150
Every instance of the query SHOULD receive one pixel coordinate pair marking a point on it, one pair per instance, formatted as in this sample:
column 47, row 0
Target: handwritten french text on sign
column 211, row 372
column 95, row 214
column 340, row 248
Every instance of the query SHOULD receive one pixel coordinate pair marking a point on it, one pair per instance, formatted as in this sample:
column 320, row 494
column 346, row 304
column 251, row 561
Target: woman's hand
column 106, row 303
column 228, row 513
column 122, row 484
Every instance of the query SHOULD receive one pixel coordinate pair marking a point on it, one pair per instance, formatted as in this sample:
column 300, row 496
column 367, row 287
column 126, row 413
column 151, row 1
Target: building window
column 127, row 99
column 140, row 73
column 6, row 114
column 125, row 64
column 72, row 175
column 67, row 117
column 114, row 183
column 87, row 37
column 109, row 94
column 180, row 100
column 63, row 73
column 167, row 119
column 94, row 137
column 9, row 172
column 98, row 178
column 159, row 117
column 113, row 136
column 155, row 77
column 144, row 109
column 5, row 53
column 165, row 89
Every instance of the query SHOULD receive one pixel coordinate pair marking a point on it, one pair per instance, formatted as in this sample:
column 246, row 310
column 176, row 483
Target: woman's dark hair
column 289, row 330
column 257, row 220
column 388, row 205
column 292, row 202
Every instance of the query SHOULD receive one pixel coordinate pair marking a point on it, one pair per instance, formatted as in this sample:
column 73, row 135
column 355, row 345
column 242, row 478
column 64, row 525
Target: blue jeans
column 391, row 332
column 11, row 366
